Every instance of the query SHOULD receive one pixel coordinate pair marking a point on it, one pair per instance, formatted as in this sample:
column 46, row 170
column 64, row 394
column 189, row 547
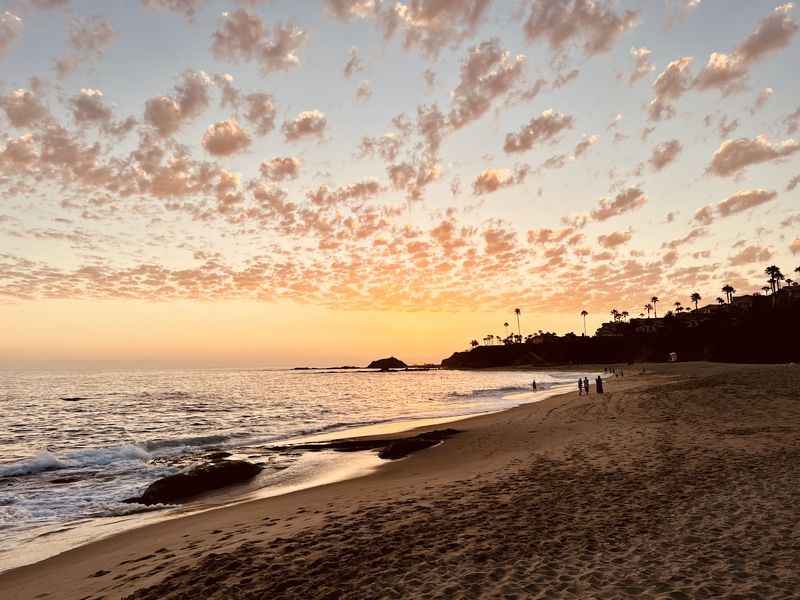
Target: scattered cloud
column 739, row 202
column 363, row 91
column 670, row 85
column 492, row 180
column 615, row 239
column 733, row 156
column 354, row 63
column 592, row 24
column 309, row 123
column 10, row 30
column 225, row 138
column 642, row 64
column 88, row 41
column 664, row 154
column 540, row 129
column 626, row 201
column 749, row 255
column 280, row 168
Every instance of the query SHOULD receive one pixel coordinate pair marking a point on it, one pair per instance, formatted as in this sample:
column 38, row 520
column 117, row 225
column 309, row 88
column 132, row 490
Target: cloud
column 23, row 108
column 242, row 36
column 749, row 255
column 664, row 154
column 19, row 151
column 612, row 240
column 792, row 122
column 225, row 138
column 592, row 23
column 386, row 146
column 260, row 112
column 310, row 123
column 280, row 168
column 430, row 25
column 727, row 127
column 88, row 107
column 761, row 100
column 492, row 180
column 187, row 8
column 88, row 41
column 670, row 85
column 363, row 91
column 794, row 247
column 793, row 183
column 361, row 190
column 727, row 72
column 488, row 72
column 733, row 156
column 168, row 113
column 643, row 66
column 348, row 9
column 583, row 146
column 738, row 202
column 10, row 30
column 539, row 129
column 354, row 64
column 626, row 201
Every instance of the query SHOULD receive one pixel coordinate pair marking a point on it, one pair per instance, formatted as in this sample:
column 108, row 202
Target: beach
column 679, row 482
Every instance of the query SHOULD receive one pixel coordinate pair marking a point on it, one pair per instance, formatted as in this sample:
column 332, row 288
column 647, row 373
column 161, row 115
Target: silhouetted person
column 586, row 385
column 580, row 386
column 533, row 385
column 599, row 385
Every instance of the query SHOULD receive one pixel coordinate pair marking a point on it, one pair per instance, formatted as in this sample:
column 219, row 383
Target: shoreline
column 333, row 467
column 520, row 493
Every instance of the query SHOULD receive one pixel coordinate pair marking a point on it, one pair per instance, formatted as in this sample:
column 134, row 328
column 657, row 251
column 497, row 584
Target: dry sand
column 681, row 483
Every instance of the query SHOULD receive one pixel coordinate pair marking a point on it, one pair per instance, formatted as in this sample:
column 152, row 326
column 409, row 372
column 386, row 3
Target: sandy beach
column 681, row 482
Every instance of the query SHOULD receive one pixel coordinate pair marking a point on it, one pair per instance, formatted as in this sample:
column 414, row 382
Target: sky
column 282, row 183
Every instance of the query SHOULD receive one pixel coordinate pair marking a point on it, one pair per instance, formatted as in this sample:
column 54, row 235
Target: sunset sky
column 277, row 182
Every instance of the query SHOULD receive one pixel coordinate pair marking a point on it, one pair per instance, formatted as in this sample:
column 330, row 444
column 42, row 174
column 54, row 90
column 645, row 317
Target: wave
column 47, row 461
column 509, row 389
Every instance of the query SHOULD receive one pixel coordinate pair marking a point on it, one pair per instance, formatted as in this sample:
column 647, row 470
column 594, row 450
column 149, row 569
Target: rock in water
column 387, row 363
column 178, row 488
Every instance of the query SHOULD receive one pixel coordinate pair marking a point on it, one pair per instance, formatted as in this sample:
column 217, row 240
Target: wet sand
column 680, row 483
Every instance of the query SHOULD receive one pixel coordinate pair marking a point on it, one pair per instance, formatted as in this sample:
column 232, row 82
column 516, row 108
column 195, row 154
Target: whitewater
column 75, row 443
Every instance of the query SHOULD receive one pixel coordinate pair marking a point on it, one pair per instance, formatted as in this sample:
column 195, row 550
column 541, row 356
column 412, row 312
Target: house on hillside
column 613, row 329
column 647, row 325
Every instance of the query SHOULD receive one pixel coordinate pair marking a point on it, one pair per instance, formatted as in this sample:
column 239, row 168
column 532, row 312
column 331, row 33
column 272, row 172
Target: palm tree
column 696, row 298
column 506, row 326
column 518, row 312
column 766, row 290
column 474, row 343
column 729, row 292
column 615, row 314
column 648, row 307
column 654, row 300
column 584, row 314
column 775, row 277
column 624, row 314
column 720, row 300
column 677, row 305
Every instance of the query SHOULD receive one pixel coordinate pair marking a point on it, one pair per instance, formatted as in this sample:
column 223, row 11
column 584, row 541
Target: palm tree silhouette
column 648, row 307
column 729, row 292
column 506, row 326
column 518, row 312
column 696, row 298
column 766, row 290
column 474, row 343
column 775, row 277
column 624, row 314
column 654, row 300
column 584, row 314
column 720, row 300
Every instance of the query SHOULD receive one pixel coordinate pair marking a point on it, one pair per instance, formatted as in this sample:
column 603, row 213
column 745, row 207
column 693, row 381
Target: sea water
column 75, row 443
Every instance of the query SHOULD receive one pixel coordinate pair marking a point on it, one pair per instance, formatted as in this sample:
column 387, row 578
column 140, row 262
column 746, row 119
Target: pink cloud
column 738, row 202
column 612, row 240
column 88, row 41
column 168, row 113
column 733, row 156
column 664, row 154
column 564, row 22
column 749, row 255
column 10, row 30
column 187, row 8
column 539, row 129
column 23, row 108
column 670, row 85
column 280, row 168
column 626, row 201
column 642, row 64
column 225, row 138
column 310, row 123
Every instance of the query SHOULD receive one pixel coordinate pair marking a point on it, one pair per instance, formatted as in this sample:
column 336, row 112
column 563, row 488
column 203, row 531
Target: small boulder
column 384, row 364
column 205, row 478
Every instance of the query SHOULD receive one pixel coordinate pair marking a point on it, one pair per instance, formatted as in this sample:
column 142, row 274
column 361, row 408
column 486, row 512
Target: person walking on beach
column 533, row 385
column 580, row 386
column 586, row 385
column 599, row 385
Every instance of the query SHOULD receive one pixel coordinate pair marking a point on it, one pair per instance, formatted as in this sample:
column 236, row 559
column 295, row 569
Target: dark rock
column 73, row 398
column 215, row 456
column 178, row 488
column 403, row 447
column 384, row 364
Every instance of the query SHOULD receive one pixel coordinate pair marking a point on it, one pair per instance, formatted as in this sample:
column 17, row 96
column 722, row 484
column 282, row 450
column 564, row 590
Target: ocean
column 75, row 443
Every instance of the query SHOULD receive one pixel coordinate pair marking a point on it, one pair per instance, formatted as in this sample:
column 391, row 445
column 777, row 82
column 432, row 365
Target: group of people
column 614, row 371
column 583, row 385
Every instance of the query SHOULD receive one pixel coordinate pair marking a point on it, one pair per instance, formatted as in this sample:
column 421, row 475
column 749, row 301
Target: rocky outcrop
column 385, row 364
column 205, row 478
